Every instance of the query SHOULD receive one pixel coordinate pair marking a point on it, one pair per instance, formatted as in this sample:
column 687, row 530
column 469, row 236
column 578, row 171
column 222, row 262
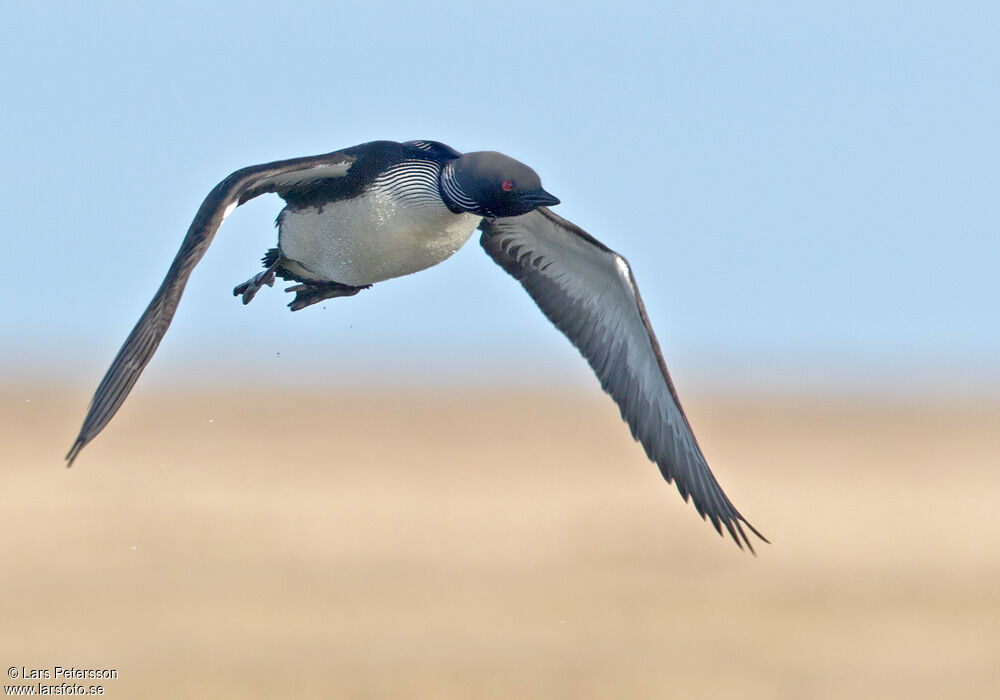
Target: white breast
column 375, row 236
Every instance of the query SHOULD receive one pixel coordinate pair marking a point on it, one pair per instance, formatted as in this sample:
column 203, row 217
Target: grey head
column 493, row 185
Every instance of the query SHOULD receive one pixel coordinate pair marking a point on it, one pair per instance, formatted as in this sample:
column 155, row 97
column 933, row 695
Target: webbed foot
column 250, row 288
column 309, row 293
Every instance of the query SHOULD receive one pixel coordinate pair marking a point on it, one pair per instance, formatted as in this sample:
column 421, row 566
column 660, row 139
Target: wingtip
column 738, row 524
column 74, row 451
column 734, row 526
column 757, row 532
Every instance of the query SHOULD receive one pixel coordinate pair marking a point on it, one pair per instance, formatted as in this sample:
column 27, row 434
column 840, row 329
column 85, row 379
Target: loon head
column 493, row 185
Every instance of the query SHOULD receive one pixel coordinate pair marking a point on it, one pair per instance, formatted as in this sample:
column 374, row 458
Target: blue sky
column 805, row 191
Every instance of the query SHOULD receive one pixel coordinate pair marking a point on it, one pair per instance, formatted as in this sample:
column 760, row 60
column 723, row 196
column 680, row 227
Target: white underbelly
column 371, row 238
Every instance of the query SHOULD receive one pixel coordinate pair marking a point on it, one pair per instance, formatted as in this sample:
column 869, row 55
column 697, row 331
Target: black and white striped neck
column 452, row 193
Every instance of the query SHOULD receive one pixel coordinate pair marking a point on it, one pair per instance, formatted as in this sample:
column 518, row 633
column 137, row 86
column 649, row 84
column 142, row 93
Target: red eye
column 507, row 185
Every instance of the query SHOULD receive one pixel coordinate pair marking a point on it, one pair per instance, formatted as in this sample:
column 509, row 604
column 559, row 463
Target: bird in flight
column 383, row 209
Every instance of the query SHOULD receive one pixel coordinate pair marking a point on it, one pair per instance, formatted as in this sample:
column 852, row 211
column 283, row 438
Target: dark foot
column 250, row 288
column 311, row 292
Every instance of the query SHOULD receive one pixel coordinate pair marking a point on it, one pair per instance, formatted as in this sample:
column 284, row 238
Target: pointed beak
column 541, row 198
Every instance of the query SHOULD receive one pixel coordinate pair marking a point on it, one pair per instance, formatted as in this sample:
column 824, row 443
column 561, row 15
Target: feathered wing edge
column 589, row 293
column 141, row 343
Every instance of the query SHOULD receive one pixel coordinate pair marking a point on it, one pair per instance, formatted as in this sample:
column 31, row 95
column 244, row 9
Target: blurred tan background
column 498, row 545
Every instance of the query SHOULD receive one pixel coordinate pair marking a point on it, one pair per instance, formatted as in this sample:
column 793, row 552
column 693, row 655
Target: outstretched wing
column 283, row 177
column 588, row 291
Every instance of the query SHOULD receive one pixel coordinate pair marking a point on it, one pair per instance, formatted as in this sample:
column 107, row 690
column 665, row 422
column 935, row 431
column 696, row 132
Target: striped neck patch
column 413, row 182
column 454, row 196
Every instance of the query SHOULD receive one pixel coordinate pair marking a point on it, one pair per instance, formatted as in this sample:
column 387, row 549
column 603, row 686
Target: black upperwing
column 284, row 177
column 588, row 291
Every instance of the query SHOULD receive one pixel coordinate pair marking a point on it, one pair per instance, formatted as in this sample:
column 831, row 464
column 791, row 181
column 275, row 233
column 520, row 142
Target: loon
column 384, row 209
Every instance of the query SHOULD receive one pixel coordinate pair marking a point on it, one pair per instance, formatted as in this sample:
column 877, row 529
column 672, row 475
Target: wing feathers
column 135, row 353
column 588, row 291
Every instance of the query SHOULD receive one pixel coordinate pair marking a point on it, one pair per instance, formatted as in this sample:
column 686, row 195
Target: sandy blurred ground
column 225, row 545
